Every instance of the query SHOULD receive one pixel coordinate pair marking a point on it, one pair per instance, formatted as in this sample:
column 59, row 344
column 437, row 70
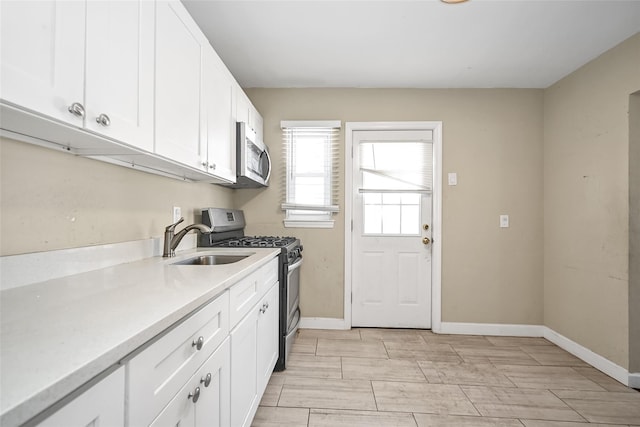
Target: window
column 311, row 151
column 394, row 175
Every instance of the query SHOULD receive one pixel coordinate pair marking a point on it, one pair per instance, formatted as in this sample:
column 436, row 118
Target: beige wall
column 491, row 138
column 634, row 232
column 586, row 209
column 52, row 200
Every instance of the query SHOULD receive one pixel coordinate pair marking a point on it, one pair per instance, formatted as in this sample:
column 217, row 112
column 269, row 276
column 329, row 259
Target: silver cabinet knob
column 103, row 120
column 206, row 380
column 195, row 395
column 212, row 166
column 76, row 109
column 198, row 343
column 205, row 164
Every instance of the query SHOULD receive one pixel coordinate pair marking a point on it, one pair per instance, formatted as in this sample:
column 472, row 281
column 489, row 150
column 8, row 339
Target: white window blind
column 396, row 166
column 311, row 178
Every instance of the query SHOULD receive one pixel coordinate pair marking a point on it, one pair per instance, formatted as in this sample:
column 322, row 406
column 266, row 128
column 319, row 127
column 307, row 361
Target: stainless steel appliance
column 228, row 231
column 253, row 164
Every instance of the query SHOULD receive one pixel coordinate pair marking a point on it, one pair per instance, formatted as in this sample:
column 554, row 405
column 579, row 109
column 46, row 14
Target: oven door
column 293, row 293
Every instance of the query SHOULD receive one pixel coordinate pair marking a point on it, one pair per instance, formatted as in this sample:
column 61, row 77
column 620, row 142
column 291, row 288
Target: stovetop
column 257, row 242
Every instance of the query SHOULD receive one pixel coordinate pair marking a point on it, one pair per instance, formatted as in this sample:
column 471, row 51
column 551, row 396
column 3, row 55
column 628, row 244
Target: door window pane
column 395, row 214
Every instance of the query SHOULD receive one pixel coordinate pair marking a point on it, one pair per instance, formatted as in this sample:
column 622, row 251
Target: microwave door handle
column 266, row 153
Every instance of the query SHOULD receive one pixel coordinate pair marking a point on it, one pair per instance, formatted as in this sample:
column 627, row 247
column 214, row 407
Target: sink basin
column 211, row 260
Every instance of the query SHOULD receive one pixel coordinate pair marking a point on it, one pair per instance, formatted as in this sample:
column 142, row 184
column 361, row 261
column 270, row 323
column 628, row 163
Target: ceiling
column 411, row 44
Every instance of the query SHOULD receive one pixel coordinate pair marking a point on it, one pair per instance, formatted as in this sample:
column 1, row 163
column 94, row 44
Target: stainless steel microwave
column 253, row 167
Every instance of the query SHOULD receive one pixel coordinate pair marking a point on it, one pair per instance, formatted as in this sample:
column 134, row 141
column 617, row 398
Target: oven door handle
column 295, row 265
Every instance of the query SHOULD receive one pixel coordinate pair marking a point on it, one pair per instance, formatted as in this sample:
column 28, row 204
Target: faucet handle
column 172, row 227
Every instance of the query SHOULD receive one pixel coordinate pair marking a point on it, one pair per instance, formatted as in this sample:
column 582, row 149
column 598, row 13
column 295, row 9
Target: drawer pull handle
column 198, row 343
column 206, row 380
column 195, row 395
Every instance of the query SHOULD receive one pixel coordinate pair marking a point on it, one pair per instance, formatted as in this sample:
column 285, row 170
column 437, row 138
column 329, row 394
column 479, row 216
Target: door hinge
column 351, row 225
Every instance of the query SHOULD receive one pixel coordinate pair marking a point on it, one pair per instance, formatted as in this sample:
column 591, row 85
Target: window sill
column 296, row 223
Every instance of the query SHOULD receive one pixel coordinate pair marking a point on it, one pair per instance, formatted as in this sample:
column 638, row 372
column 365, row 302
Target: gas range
column 227, row 227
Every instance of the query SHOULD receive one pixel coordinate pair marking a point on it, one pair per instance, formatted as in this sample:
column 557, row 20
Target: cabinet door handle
column 206, row 380
column 198, row 343
column 76, row 109
column 195, row 395
column 212, row 166
column 103, row 120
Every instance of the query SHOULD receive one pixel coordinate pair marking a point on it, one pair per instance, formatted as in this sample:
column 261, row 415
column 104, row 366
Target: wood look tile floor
column 414, row 378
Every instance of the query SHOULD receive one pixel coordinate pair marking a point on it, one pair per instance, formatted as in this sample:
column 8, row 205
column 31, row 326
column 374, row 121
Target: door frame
column 436, row 255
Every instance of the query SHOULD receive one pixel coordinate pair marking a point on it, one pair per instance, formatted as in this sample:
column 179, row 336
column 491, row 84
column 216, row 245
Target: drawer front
column 247, row 292
column 159, row 371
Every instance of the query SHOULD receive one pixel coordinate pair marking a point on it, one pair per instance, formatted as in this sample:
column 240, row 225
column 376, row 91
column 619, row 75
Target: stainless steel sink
column 211, row 260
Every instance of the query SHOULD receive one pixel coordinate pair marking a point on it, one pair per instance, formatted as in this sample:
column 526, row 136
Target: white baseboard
column 601, row 363
column 495, row 329
column 322, row 323
column 634, row 380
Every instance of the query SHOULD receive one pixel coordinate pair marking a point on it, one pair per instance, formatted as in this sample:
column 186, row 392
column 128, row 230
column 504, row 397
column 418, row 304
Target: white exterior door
column 392, row 209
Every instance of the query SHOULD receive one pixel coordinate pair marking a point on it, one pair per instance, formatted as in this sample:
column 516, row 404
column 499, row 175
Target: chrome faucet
column 171, row 240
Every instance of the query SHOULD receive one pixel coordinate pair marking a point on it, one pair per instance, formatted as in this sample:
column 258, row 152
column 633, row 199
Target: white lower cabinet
column 100, row 405
column 196, row 373
column 254, row 350
column 204, row 399
column 267, row 338
column 156, row 373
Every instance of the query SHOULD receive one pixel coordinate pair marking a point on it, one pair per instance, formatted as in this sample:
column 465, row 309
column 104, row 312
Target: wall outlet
column 504, row 221
column 452, row 178
column 177, row 214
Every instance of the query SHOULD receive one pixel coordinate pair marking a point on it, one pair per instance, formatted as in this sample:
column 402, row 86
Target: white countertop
column 57, row 335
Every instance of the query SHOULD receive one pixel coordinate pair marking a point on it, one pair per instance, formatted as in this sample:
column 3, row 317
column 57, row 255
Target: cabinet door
column 244, row 388
column 179, row 130
column 43, row 56
column 258, row 125
column 218, row 91
column 213, row 409
column 267, row 337
column 242, row 105
column 120, row 63
column 101, row 405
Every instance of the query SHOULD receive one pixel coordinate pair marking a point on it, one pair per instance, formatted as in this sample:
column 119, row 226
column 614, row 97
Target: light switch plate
column 504, row 221
column 452, row 178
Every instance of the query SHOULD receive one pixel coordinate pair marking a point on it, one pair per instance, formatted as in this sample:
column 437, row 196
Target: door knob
column 425, row 226
column 426, row 240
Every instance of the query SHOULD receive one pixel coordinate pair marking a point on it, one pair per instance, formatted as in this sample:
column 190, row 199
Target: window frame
column 318, row 216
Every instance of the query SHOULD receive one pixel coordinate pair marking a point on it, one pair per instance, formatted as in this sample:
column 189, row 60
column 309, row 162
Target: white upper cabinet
column 242, row 106
column 131, row 82
column 218, row 91
column 120, row 67
column 180, row 131
column 109, row 91
column 43, row 57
